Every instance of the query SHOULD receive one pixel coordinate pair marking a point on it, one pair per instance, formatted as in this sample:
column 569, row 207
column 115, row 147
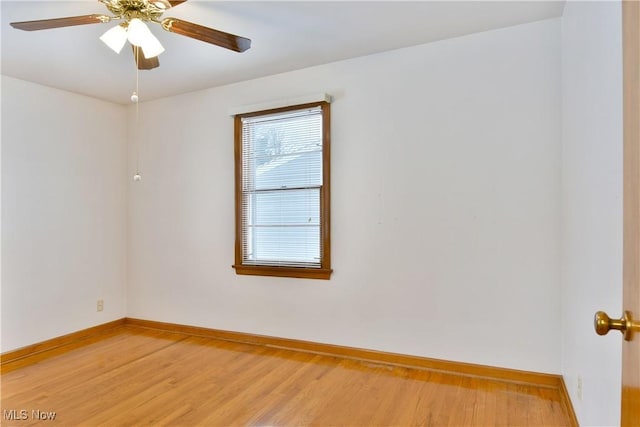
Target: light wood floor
column 134, row 376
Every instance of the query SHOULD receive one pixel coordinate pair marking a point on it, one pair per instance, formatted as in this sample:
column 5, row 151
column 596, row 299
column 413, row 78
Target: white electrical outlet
column 100, row 305
column 579, row 387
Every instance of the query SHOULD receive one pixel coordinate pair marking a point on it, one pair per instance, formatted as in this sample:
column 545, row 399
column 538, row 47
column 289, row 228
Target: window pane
column 283, row 150
column 283, row 245
column 290, row 171
column 286, row 207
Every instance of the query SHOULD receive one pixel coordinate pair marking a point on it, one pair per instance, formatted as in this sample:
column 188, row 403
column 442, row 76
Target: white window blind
column 281, row 188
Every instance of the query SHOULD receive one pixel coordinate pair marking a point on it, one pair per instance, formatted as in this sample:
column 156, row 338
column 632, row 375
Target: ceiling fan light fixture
column 115, row 38
column 140, row 35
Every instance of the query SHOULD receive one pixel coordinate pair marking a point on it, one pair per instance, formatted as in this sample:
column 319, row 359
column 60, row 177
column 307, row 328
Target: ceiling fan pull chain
column 135, row 98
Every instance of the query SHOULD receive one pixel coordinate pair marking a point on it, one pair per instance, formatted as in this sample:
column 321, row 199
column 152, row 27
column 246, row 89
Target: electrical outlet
column 579, row 387
column 100, row 305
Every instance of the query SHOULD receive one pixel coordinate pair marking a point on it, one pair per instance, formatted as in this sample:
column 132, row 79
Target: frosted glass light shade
column 137, row 32
column 151, row 47
column 115, row 38
column 140, row 35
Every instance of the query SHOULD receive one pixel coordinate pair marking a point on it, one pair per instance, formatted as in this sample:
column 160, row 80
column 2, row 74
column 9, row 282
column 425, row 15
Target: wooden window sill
column 297, row 272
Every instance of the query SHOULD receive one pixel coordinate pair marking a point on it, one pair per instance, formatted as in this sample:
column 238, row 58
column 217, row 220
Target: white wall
column 63, row 212
column 445, row 205
column 592, row 205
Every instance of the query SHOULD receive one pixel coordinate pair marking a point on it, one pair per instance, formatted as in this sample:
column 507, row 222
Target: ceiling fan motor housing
column 142, row 9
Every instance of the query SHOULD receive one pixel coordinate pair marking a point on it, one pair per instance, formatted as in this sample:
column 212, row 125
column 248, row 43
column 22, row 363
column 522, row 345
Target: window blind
column 281, row 188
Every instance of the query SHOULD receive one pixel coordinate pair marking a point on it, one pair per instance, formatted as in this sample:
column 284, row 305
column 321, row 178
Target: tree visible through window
column 282, row 192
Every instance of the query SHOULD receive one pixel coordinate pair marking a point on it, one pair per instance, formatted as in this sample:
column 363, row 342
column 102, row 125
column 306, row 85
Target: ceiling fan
column 134, row 14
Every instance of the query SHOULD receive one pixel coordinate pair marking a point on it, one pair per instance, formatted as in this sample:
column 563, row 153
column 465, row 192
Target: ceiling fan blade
column 174, row 3
column 206, row 34
column 45, row 24
column 142, row 62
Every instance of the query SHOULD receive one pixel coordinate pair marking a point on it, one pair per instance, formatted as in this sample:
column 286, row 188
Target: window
column 282, row 192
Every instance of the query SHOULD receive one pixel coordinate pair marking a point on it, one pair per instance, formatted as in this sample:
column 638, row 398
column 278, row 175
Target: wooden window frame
column 324, row 271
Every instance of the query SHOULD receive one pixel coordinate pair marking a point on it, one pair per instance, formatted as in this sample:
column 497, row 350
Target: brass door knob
column 603, row 324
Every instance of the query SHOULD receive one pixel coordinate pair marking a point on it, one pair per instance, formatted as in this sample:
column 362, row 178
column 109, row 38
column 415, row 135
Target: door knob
column 626, row 325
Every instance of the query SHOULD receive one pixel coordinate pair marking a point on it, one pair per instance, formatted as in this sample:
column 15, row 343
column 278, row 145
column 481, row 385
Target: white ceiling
column 285, row 36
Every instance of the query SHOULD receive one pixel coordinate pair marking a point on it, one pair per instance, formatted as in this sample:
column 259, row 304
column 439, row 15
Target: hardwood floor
column 136, row 376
